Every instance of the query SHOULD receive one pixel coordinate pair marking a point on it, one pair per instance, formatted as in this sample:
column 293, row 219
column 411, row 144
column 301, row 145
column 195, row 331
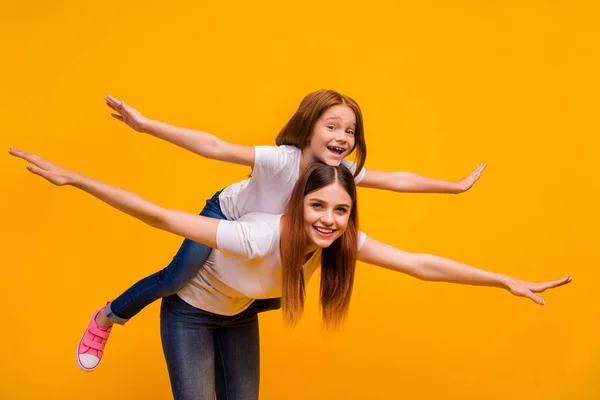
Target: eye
column 350, row 132
column 331, row 127
column 316, row 205
column 342, row 210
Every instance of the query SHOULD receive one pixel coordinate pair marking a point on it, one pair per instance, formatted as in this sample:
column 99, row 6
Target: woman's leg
column 237, row 357
column 187, row 335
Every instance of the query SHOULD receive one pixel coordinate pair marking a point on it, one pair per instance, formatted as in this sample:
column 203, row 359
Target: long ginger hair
column 338, row 261
column 299, row 128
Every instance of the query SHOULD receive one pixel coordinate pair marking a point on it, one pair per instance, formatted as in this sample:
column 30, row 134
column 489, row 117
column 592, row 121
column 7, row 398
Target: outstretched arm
column 195, row 227
column 433, row 268
column 413, row 183
column 199, row 142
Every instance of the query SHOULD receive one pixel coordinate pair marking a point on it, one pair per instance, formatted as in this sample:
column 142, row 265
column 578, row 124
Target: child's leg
column 186, row 263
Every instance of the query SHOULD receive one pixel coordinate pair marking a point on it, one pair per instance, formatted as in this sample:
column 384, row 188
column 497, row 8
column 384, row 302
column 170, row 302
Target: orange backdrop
column 442, row 87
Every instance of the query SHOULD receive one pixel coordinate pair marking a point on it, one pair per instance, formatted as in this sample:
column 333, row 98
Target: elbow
column 158, row 220
column 215, row 149
column 425, row 267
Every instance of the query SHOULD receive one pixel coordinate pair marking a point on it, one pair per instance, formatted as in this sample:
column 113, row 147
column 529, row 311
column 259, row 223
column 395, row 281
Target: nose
column 327, row 217
column 340, row 136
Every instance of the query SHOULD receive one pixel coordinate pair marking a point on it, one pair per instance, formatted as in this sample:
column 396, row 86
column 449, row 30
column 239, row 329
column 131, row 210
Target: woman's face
column 332, row 137
column 326, row 214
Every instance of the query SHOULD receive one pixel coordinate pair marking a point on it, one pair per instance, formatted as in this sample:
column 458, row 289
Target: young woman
column 209, row 330
column 326, row 127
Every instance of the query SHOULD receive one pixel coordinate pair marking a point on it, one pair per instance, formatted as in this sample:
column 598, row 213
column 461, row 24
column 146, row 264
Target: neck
column 306, row 159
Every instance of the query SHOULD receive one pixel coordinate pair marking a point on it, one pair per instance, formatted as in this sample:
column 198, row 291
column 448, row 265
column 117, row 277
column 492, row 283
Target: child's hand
column 467, row 182
column 528, row 289
column 126, row 114
column 53, row 173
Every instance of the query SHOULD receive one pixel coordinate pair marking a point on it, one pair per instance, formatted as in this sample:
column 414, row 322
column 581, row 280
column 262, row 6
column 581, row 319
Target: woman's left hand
column 528, row 289
column 53, row 173
column 468, row 181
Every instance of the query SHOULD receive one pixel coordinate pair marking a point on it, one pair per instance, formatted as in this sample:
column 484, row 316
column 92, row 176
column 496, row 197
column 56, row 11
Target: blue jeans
column 208, row 353
column 186, row 263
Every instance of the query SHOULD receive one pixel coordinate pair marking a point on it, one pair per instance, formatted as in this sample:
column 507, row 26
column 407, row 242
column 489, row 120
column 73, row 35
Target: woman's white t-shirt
column 247, row 266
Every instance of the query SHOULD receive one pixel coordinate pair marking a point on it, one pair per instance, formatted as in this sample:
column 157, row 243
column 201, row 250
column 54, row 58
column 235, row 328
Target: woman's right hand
column 53, row 173
column 126, row 114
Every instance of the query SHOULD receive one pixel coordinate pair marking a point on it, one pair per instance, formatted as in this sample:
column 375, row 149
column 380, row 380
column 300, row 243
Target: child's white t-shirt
column 276, row 171
column 247, row 266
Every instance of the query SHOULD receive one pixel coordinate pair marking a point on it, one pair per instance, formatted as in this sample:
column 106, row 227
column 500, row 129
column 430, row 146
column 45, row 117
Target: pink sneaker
column 91, row 345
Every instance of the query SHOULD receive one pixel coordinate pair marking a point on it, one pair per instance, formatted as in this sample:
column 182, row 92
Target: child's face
column 326, row 214
column 332, row 137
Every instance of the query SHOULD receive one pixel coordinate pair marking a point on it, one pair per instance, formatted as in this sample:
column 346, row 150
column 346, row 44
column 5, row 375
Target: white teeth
column 323, row 230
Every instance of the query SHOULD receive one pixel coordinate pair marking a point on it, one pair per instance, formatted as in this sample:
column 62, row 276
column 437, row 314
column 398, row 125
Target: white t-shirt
column 247, row 267
column 276, row 170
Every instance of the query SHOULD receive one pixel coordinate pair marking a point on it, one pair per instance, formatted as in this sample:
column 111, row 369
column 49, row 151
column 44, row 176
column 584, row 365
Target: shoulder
column 361, row 239
column 261, row 221
column 275, row 157
column 280, row 150
column 254, row 235
column 352, row 167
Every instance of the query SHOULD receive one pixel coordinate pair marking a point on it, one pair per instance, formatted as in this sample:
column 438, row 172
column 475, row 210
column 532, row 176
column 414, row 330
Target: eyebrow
column 336, row 117
column 323, row 201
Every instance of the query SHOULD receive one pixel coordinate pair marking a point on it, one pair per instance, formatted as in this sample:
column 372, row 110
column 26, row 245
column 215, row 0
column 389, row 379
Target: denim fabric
column 210, row 354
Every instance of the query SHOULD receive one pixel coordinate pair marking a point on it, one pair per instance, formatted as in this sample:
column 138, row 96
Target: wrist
column 146, row 125
column 456, row 188
column 505, row 281
column 74, row 179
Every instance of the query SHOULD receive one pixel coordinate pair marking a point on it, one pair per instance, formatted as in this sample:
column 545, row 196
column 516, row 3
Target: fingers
column 474, row 176
column 111, row 100
column 540, row 287
column 113, row 103
column 534, row 298
column 32, row 158
column 38, row 171
column 479, row 169
column 116, row 116
column 115, row 108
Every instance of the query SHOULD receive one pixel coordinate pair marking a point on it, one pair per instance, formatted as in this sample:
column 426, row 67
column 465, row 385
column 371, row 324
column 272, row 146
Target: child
column 327, row 127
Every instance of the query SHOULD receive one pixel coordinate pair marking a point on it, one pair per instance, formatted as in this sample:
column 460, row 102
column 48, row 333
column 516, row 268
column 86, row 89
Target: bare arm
column 201, row 143
column 413, row 183
column 195, row 227
column 433, row 268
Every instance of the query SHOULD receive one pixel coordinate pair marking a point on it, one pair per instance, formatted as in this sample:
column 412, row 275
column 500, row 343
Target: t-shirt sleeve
column 361, row 239
column 268, row 160
column 352, row 167
column 244, row 239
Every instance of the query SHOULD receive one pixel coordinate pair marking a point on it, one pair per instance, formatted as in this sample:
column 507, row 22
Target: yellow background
column 443, row 86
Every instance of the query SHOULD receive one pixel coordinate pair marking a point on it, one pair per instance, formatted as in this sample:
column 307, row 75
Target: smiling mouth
column 335, row 150
column 324, row 232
